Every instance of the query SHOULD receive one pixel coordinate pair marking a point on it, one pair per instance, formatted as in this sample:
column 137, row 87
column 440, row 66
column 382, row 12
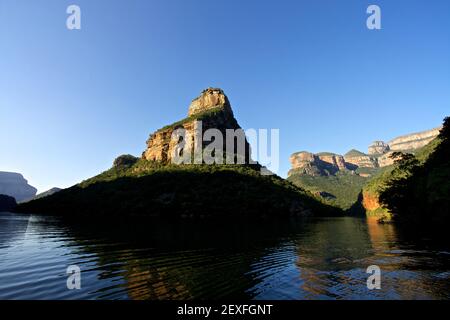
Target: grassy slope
column 149, row 189
column 344, row 186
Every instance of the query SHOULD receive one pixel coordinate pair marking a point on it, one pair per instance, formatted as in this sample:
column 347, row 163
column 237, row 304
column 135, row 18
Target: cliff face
column 378, row 155
column 413, row 141
column 14, row 185
column 323, row 164
column 340, row 180
column 211, row 110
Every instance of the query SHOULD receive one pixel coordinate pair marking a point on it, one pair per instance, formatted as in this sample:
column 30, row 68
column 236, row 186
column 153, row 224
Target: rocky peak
column 378, row 147
column 209, row 99
column 162, row 147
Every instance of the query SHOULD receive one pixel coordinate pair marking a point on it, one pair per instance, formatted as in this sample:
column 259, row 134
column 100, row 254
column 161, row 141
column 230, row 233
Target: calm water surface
column 314, row 259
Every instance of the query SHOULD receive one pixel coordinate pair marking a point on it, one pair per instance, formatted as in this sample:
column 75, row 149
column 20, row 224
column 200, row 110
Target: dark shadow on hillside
column 357, row 209
column 182, row 193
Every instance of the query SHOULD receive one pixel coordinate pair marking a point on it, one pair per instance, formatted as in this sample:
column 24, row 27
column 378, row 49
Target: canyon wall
column 378, row 156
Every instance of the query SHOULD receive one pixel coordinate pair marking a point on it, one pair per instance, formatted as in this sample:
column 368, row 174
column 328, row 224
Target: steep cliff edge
column 14, row 185
column 380, row 181
column 418, row 192
column 157, row 185
column 338, row 180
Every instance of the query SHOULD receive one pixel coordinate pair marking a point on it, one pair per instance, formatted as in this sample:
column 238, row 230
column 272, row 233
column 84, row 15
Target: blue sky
column 71, row 101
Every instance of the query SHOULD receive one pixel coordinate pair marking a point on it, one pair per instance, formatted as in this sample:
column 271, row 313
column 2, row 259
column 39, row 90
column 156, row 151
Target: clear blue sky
column 71, row 101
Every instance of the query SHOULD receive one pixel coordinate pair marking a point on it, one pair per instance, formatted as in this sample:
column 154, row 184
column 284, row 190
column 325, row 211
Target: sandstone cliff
column 211, row 110
column 322, row 164
column 413, row 141
column 378, row 155
column 14, row 185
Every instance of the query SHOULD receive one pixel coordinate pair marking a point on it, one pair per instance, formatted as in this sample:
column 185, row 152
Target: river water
column 321, row 258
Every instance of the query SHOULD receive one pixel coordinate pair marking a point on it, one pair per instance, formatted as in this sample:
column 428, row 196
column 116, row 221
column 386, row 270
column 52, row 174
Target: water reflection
column 312, row 259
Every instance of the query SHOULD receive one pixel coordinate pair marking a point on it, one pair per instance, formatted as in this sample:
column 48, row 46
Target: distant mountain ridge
column 15, row 185
column 339, row 179
column 378, row 156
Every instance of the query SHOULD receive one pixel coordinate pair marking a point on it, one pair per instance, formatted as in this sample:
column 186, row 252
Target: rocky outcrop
column 378, row 147
column 325, row 163
column 359, row 159
column 332, row 159
column 378, row 156
column 413, row 141
column 385, row 159
column 211, row 110
column 14, row 185
column 209, row 99
column 406, row 143
column 370, row 201
column 321, row 164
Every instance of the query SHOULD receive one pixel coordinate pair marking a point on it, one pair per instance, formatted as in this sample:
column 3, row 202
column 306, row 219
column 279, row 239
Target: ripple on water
column 320, row 259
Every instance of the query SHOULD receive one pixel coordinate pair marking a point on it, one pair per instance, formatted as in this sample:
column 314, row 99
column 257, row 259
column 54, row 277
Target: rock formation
column 14, row 185
column 321, row 164
column 359, row 159
column 413, row 141
column 211, row 110
column 378, row 156
column 378, row 147
column 209, row 99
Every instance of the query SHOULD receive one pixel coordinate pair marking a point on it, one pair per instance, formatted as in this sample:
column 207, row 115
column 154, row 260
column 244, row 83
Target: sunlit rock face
column 14, row 185
column 378, row 155
column 378, row 147
column 334, row 160
column 209, row 99
column 316, row 164
column 413, row 141
column 211, row 110
column 360, row 160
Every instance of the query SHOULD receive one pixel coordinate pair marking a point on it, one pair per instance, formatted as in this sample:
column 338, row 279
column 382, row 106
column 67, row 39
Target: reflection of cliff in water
column 331, row 255
column 334, row 254
column 182, row 261
column 409, row 253
column 322, row 258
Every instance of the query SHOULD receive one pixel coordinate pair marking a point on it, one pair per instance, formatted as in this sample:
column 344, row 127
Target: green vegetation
column 340, row 190
column 213, row 112
column 377, row 182
column 382, row 178
column 355, row 153
column 418, row 189
column 148, row 188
